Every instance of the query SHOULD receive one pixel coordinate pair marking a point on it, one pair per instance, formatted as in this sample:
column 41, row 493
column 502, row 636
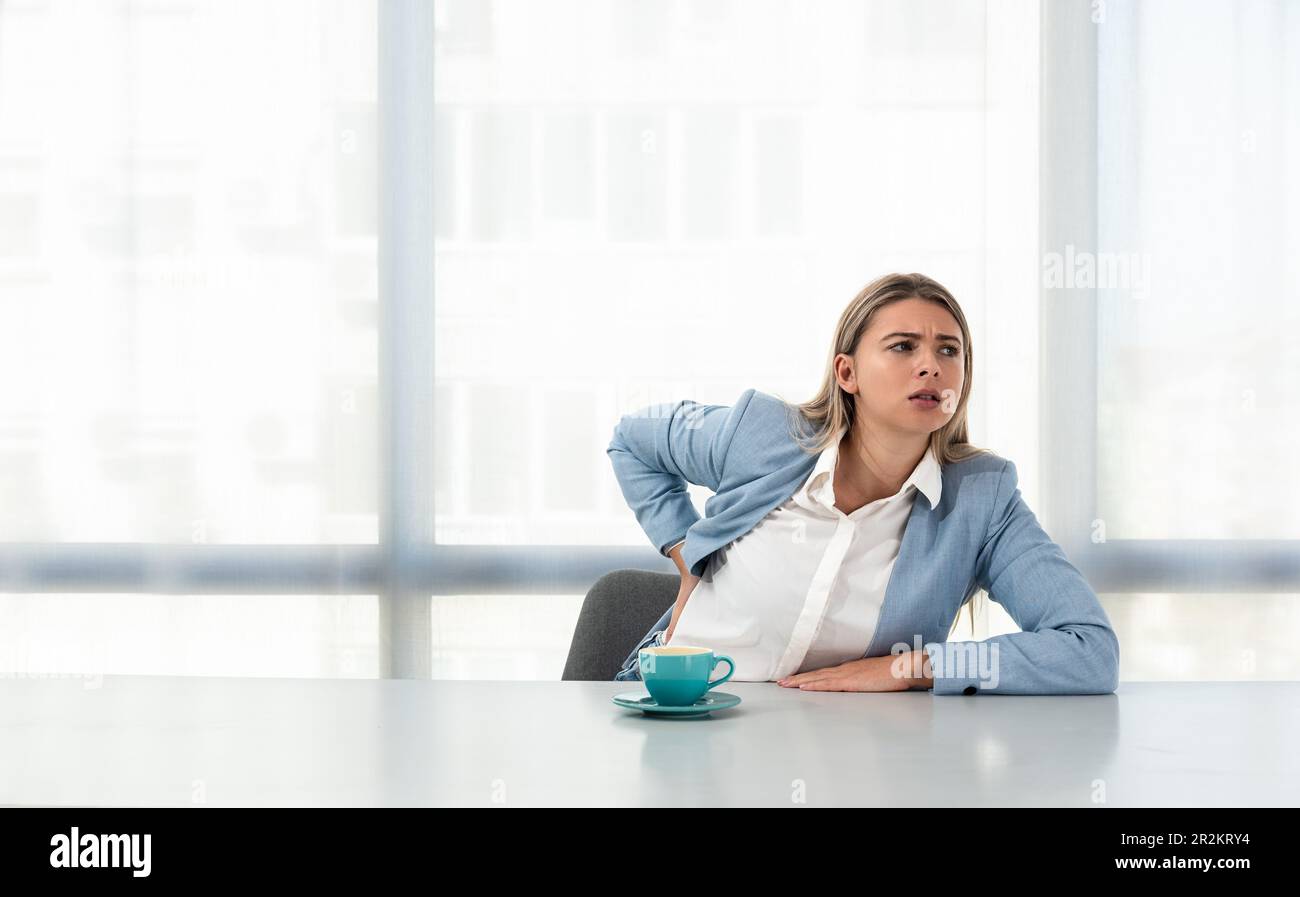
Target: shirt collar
column 927, row 477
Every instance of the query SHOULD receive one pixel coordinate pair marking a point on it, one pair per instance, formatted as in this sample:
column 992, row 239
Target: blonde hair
column 816, row 423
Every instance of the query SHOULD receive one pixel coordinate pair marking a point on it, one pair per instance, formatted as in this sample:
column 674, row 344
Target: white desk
column 141, row 741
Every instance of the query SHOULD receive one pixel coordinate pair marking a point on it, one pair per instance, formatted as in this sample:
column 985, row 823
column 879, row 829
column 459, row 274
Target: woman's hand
column 892, row 672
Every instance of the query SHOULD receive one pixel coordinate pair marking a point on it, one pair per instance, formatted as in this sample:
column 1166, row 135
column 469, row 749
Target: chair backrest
column 616, row 614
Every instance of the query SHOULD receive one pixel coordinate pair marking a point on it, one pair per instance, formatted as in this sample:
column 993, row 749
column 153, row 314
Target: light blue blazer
column 982, row 535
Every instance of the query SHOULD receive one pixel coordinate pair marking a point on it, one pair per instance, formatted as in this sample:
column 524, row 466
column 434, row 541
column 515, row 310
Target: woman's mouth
column 924, row 402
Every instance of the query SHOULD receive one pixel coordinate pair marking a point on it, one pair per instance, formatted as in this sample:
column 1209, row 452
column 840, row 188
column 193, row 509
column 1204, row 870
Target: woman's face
column 911, row 345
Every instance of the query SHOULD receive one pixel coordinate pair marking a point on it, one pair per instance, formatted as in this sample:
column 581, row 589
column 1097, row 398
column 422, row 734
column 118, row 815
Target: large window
column 638, row 202
column 317, row 317
column 188, row 272
column 188, row 294
column 1170, row 283
column 1199, row 212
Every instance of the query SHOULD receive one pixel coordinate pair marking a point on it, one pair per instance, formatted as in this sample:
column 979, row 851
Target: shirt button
column 969, row 690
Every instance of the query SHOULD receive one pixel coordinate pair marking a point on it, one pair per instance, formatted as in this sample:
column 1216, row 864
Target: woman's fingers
column 819, row 685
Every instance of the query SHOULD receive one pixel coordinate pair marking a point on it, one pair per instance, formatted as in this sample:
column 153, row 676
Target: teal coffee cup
column 678, row 675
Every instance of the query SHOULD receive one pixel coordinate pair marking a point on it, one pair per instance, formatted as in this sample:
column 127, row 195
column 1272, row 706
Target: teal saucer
column 712, row 700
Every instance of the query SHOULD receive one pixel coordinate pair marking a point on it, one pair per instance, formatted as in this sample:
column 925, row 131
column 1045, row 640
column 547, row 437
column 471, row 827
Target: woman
column 846, row 533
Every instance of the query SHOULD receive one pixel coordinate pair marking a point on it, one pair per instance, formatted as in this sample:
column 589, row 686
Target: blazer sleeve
column 657, row 450
column 1068, row 645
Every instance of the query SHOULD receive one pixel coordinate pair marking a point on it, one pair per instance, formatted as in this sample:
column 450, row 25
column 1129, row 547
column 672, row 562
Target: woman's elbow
column 1101, row 646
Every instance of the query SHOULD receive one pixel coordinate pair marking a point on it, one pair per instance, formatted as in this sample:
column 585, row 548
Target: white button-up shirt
column 803, row 589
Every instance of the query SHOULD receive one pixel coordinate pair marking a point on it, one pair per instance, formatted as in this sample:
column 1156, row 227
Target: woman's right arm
column 656, row 451
column 689, row 581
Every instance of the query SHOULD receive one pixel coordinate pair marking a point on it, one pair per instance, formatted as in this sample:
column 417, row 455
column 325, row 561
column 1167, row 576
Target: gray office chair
column 616, row 614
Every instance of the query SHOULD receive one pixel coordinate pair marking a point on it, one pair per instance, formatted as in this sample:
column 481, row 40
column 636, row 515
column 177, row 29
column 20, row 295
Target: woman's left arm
column 1067, row 645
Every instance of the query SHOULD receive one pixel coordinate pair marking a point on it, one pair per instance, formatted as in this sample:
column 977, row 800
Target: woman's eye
column 954, row 354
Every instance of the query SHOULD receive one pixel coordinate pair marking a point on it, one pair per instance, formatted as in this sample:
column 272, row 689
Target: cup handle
column 717, row 660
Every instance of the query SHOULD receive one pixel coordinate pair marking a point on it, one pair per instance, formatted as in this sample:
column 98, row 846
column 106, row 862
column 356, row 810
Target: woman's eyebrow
column 941, row 336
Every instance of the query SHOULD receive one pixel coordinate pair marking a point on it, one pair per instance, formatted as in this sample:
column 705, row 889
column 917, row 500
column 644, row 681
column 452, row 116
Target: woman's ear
column 845, row 374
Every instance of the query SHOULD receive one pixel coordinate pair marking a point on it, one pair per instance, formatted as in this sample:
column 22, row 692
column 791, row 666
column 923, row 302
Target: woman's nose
column 931, row 366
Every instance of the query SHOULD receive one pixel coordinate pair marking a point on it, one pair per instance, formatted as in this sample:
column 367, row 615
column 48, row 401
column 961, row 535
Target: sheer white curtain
column 1199, row 223
column 187, row 307
column 635, row 202
column 639, row 202
column 1199, row 137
